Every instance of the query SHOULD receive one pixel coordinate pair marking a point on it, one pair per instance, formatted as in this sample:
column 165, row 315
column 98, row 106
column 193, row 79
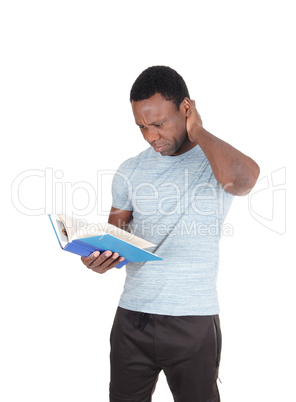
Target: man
column 175, row 194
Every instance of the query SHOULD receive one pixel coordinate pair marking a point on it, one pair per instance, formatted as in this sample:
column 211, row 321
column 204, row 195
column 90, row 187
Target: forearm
column 120, row 218
column 235, row 171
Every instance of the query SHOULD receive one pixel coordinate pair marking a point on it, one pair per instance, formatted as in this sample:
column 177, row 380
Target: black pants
column 186, row 348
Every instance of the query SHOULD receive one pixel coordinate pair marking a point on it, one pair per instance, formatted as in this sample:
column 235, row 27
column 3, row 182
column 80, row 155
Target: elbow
column 244, row 184
column 241, row 185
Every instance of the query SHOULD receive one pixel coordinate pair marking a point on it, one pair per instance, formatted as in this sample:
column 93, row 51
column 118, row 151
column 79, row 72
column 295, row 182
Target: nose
column 151, row 135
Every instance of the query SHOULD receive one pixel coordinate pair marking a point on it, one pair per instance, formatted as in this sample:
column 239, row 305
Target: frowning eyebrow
column 154, row 123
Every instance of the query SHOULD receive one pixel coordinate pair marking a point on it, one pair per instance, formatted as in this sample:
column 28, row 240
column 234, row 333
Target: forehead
column 153, row 108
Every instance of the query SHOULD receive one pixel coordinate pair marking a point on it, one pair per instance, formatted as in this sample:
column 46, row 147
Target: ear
column 185, row 106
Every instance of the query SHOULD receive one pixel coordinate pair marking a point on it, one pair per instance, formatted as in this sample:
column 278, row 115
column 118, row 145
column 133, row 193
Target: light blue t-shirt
column 179, row 206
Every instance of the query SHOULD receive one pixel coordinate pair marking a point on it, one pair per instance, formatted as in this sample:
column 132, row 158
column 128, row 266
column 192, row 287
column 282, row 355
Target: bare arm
column 235, row 171
column 120, row 217
column 101, row 263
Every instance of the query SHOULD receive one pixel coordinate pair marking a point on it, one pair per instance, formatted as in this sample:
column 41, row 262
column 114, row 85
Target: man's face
column 163, row 125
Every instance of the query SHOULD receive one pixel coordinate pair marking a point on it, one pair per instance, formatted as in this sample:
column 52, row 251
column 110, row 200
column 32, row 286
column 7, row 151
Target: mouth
column 159, row 149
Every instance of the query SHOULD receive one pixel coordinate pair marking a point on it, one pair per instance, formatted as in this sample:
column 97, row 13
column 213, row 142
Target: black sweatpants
column 186, row 348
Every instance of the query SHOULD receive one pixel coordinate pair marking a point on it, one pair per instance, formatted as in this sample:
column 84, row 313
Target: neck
column 185, row 147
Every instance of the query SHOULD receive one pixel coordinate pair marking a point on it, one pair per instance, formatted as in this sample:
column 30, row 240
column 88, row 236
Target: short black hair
column 159, row 79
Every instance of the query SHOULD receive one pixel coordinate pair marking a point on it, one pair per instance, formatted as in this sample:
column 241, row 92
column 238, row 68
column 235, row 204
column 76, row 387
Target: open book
column 83, row 239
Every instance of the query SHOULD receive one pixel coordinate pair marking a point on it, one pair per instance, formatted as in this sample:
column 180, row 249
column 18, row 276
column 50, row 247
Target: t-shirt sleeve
column 121, row 190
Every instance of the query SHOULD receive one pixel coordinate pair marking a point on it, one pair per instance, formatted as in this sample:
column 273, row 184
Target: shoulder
column 132, row 163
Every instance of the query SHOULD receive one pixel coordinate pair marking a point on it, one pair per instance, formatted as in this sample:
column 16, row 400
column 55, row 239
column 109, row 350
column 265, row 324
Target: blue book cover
column 125, row 244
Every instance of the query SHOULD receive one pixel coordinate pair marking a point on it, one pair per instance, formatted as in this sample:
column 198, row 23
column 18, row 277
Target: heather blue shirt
column 178, row 205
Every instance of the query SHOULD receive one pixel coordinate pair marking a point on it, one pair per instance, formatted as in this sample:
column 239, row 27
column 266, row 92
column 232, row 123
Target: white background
column 66, row 71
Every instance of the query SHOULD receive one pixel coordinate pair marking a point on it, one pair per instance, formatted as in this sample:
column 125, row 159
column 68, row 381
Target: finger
column 88, row 260
column 103, row 260
column 114, row 260
column 110, row 263
column 96, row 259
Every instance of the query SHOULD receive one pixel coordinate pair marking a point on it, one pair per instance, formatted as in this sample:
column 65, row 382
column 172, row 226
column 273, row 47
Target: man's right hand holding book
column 102, row 262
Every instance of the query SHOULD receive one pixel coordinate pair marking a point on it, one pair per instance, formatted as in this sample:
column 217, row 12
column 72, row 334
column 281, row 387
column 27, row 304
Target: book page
column 126, row 236
column 78, row 229
column 62, row 232
column 70, row 225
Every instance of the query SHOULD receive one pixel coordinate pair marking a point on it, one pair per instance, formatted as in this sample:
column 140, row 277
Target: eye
column 159, row 125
